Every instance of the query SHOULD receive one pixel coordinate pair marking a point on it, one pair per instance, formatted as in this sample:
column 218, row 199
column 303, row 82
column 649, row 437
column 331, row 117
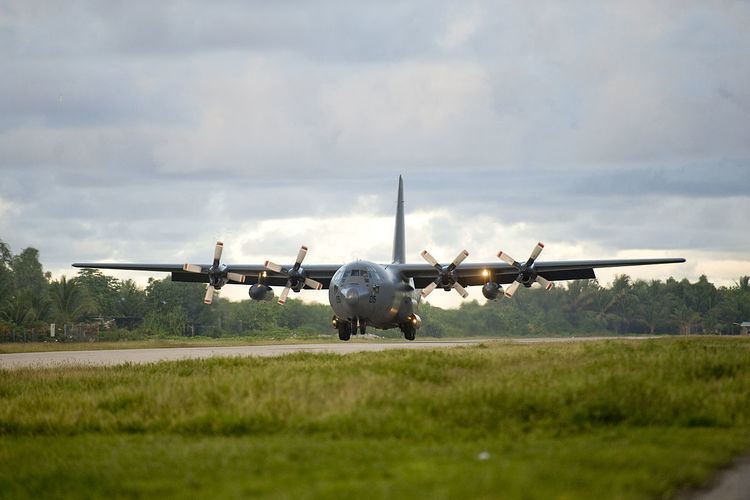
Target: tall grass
column 657, row 402
column 466, row 392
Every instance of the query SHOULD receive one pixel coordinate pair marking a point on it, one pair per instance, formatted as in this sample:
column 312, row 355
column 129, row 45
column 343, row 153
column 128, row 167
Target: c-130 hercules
column 382, row 296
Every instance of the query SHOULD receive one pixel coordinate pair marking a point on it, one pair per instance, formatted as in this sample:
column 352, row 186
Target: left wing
column 503, row 273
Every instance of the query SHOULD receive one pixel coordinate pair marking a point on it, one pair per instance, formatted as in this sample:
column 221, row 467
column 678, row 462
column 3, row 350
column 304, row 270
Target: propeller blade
column 315, row 285
column 506, row 258
column 284, row 294
column 546, row 284
column 428, row 289
column 217, row 252
column 512, row 289
column 239, row 278
column 272, row 267
column 460, row 258
column 209, row 295
column 300, row 256
column 461, row 290
column 192, row 268
column 537, row 250
column 429, row 258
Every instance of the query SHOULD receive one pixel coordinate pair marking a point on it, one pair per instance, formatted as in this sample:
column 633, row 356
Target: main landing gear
column 348, row 328
column 410, row 326
column 410, row 331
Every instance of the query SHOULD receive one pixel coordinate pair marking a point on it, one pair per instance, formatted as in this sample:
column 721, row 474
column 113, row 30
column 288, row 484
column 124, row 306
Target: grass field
column 609, row 419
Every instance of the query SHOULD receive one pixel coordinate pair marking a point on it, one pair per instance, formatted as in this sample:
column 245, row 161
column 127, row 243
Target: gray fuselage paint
column 374, row 294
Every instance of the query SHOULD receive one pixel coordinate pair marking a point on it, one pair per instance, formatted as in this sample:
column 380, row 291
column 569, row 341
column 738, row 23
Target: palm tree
column 18, row 309
column 68, row 300
column 686, row 318
column 580, row 296
column 616, row 304
column 654, row 305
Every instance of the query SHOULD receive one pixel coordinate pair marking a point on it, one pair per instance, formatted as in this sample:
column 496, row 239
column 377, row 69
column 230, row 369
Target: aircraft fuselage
column 364, row 293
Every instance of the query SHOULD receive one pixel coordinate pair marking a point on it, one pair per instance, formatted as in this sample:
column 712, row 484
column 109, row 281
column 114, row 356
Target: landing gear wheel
column 362, row 328
column 345, row 331
column 410, row 332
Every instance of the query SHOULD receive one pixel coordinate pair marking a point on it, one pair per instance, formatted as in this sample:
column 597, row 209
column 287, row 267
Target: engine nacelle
column 259, row 291
column 491, row 290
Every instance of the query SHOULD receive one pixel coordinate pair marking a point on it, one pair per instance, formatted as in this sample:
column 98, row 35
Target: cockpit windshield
column 368, row 274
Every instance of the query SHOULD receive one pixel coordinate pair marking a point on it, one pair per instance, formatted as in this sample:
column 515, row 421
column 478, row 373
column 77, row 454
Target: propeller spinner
column 218, row 276
column 526, row 272
column 296, row 276
column 445, row 277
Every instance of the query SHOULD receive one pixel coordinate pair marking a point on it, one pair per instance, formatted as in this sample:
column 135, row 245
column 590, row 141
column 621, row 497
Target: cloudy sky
column 144, row 131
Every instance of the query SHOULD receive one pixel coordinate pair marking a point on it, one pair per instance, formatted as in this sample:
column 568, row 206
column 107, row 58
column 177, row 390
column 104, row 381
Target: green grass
column 608, row 419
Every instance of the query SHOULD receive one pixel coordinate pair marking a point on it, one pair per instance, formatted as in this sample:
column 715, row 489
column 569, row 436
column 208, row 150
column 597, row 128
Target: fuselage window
column 355, row 272
column 374, row 275
column 338, row 276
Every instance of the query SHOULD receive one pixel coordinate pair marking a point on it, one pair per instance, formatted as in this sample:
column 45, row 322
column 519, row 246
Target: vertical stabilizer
column 399, row 238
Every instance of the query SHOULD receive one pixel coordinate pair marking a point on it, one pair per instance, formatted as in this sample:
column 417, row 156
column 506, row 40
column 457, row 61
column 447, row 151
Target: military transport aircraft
column 383, row 296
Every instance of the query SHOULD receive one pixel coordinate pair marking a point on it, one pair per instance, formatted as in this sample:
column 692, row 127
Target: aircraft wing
column 319, row 272
column 500, row 272
column 467, row 273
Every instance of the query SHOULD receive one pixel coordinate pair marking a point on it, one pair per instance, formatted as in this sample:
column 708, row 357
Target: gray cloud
column 143, row 131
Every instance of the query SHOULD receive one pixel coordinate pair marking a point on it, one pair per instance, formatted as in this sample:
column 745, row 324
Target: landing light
column 485, row 273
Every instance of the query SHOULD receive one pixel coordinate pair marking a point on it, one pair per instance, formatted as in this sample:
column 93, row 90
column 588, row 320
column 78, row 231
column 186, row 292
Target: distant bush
column 119, row 334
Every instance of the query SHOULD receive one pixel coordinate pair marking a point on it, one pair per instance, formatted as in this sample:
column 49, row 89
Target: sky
column 145, row 131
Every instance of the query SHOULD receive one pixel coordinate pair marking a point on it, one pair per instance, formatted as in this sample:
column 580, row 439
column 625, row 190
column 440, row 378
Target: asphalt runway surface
column 731, row 484
column 112, row 357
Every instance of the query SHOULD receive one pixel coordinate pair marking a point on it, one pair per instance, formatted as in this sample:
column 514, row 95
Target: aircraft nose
column 353, row 294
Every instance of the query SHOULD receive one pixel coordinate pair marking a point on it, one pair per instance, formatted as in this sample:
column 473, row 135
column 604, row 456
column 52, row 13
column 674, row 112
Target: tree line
column 31, row 299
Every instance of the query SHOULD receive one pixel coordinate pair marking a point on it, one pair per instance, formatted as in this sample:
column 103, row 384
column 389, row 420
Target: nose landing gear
column 345, row 330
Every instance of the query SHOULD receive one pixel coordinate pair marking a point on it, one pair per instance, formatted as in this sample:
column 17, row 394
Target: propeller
column 296, row 276
column 526, row 272
column 218, row 276
column 445, row 277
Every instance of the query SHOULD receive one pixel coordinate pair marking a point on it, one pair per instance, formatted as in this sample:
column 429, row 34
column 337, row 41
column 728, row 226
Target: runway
column 138, row 356
column 120, row 356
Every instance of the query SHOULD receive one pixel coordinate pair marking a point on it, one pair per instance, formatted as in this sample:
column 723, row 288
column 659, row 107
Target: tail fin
column 399, row 238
